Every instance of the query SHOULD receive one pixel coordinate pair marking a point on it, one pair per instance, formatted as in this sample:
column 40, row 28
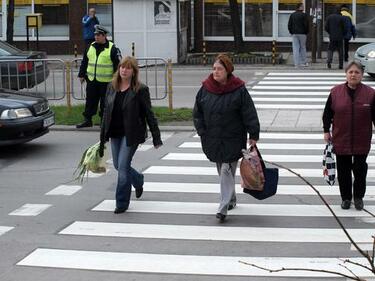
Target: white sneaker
column 305, row 65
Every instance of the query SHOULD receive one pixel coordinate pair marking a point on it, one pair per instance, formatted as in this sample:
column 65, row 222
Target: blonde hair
column 127, row 62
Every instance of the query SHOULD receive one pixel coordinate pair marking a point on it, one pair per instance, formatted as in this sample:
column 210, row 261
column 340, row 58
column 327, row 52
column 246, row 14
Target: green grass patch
column 74, row 115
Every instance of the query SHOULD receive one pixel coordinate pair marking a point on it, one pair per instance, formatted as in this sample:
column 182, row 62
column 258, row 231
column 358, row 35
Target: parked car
column 365, row 55
column 23, row 117
column 21, row 69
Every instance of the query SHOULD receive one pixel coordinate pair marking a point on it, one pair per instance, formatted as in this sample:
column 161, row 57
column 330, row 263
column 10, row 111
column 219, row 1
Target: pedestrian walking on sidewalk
column 298, row 26
column 336, row 28
column 349, row 28
column 99, row 63
column 127, row 111
column 89, row 21
column 350, row 109
column 224, row 114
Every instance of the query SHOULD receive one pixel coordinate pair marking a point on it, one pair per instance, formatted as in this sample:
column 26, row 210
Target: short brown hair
column 225, row 61
column 128, row 62
column 357, row 64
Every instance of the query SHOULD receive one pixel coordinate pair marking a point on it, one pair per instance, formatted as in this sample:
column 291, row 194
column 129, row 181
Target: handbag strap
column 260, row 156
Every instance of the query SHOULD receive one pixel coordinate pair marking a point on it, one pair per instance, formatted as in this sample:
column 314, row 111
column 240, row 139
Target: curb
column 179, row 128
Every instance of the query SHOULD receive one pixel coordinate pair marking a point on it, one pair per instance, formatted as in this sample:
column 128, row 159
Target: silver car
column 365, row 55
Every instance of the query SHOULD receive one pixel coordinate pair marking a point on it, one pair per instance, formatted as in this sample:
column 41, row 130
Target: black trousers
column 346, row 49
column 345, row 165
column 333, row 46
column 95, row 93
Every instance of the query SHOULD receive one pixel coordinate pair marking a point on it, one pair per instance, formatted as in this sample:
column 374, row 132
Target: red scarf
column 233, row 83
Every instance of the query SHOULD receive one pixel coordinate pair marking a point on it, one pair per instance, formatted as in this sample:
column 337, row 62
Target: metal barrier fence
column 55, row 79
column 38, row 77
column 152, row 71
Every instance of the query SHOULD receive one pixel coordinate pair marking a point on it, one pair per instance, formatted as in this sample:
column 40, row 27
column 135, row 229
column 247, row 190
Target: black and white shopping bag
column 329, row 164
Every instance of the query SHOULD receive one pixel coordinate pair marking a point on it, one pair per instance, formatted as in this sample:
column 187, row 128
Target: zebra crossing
column 291, row 229
column 298, row 90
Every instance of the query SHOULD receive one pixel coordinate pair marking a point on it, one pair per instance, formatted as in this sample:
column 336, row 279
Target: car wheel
column 372, row 75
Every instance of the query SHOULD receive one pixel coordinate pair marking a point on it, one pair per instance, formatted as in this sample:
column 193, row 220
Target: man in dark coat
column 335, row 26
column 350, row 29
column 298, row 26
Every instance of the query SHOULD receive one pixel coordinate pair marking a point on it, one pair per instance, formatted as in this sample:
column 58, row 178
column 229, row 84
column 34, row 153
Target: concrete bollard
column 170, row 88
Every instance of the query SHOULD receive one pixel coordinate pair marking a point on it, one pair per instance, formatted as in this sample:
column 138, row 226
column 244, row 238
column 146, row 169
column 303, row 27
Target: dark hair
column 357, row 64
column 344, row 6
column 299, row 5
column 225, row 61
column 128, row 62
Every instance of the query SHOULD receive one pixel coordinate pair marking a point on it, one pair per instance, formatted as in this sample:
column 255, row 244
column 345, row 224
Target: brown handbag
column 251, row 169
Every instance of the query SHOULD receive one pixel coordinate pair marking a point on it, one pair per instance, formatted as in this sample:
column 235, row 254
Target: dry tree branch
column 356, row 263
column 363, row 253
column 356, row 278
column 348, row 269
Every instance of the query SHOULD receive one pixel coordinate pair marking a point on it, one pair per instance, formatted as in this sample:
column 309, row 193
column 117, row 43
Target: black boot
column 84, row 124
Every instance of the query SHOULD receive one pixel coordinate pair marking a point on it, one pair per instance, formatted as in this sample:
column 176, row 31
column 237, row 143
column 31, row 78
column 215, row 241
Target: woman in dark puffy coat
column 224, row 114
column 350, row 108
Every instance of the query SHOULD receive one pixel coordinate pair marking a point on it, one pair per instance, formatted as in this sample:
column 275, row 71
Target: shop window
column 103, row 12
column 258, row 19
column 217, row 18
column 365, row 19
column 55, row 17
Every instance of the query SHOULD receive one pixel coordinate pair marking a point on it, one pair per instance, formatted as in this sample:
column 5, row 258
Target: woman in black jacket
column 127, row 110
column 224, row 114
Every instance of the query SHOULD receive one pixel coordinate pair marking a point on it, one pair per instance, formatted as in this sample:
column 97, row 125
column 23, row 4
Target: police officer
column 99, row 63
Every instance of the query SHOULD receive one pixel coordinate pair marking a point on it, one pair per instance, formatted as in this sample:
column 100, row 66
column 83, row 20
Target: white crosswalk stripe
column 5, row 229
column 181, row 190
column 306, row 90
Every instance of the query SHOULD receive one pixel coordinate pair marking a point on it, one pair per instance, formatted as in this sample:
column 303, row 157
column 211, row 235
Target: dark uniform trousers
column 345, row 165
column 95, row 93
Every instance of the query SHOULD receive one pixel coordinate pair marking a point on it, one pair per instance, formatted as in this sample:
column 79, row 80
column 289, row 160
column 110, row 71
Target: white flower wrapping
column 91, row 162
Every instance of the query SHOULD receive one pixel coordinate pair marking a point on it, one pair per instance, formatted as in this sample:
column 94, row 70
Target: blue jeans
column 122, row 157
column 299, row 49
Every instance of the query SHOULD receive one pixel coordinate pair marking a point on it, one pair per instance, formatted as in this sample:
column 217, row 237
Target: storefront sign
column 162, row 12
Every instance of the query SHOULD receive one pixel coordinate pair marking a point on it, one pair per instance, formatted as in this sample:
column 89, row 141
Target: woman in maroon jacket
column 350, row 109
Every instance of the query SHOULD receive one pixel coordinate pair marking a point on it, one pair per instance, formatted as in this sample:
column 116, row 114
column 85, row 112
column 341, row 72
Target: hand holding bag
column 329, row 164
column 271, row 179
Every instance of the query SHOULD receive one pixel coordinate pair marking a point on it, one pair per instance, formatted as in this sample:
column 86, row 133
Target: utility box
column 34, row 20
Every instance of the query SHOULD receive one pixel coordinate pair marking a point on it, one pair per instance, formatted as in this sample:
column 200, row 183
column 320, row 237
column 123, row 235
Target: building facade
column 182, row 26
column 61, row 22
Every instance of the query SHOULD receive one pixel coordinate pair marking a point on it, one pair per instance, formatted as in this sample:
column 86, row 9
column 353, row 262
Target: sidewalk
column 275, row 120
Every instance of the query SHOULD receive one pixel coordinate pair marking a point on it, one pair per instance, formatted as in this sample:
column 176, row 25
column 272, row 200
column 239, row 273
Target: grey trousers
column 227, row 172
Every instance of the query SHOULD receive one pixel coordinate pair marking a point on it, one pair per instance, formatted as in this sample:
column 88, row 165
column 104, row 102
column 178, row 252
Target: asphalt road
column 171, row 232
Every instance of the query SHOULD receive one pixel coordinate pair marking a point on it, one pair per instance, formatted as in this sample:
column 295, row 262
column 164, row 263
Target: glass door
column 283, row 11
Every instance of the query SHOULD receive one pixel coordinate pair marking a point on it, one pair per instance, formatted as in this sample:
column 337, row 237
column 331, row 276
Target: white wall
column 134, row 21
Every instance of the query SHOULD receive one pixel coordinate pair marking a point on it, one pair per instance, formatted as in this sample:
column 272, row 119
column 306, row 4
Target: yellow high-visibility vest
column 101, row 67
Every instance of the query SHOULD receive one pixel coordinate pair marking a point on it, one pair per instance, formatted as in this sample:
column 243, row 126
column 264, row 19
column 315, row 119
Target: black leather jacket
column 137, row 112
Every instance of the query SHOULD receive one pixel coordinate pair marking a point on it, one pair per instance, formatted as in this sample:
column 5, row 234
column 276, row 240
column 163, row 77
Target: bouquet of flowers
column 91, row 162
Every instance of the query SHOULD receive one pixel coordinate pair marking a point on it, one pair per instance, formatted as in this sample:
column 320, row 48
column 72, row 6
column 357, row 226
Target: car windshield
column 6, row 49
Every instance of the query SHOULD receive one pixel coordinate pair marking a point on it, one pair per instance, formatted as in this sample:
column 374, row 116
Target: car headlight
column 371, row 54
column 16, row 113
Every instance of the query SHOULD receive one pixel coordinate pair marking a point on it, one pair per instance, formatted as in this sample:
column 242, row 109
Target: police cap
column 99, row 29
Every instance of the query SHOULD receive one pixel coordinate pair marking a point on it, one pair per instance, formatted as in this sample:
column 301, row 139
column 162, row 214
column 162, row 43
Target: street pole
column 313, row 31
column 319, row 28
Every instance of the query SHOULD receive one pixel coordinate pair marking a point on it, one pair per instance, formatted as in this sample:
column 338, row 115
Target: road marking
column 291, row 99
column 144, row 147
column 269, row 157
column 288, row 93
column 5, row 229
column 211, row 171
column 261, row 87
column 292, row 82
column 290, row 106
column 66, row 190
column 185, row 264
column 335, row 79
column 30, row 210
column 193, row 187
column 278, row 146
column 198, row 208
column 293, row 136
column 292, row 74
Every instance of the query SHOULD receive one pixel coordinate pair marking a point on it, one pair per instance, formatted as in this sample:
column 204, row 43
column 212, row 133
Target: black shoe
column 341, row 67
column 120, row 210
column 358, row 204
column 84, row 124
column 231, row 206
column 220, row 216
column 345, row 204
column 329, row 65
column 346, row 60
column 138, row 192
